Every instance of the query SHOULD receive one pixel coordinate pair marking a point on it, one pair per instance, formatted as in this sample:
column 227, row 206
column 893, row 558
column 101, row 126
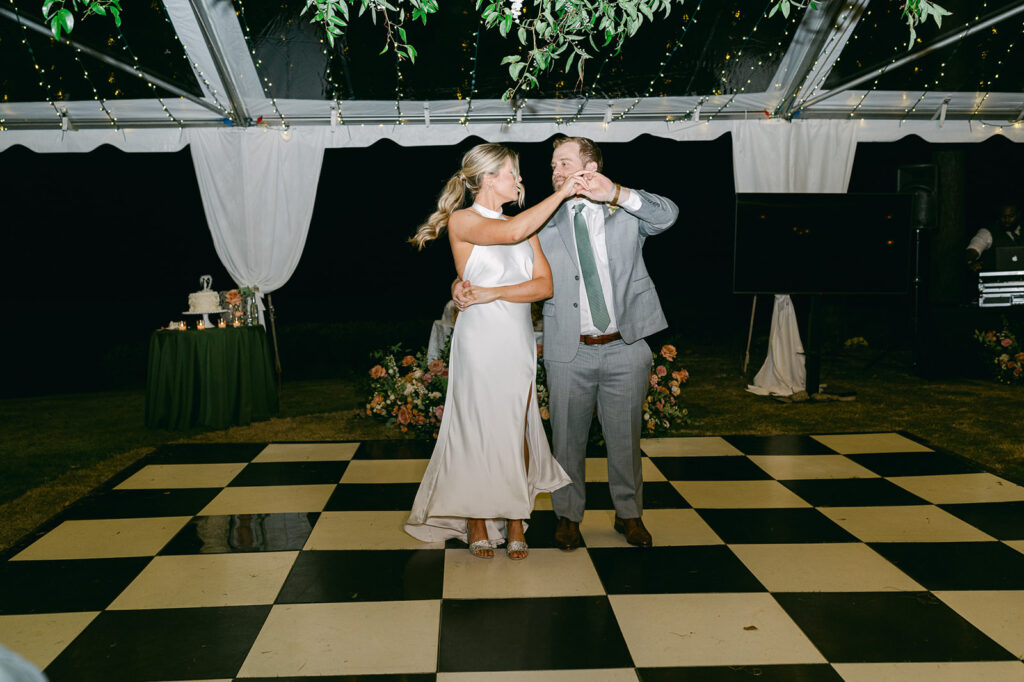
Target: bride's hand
column 577, row 183
column 483, row 294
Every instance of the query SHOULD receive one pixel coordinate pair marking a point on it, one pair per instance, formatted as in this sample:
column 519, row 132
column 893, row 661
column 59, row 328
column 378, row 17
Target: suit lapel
column 563, row 221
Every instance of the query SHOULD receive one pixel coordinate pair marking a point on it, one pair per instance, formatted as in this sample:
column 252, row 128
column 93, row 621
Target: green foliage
column 550, row 32
column 63, row 19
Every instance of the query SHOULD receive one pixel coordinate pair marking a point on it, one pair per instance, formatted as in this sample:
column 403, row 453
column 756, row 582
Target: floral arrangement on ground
column 408, row 391
column 1005, row 358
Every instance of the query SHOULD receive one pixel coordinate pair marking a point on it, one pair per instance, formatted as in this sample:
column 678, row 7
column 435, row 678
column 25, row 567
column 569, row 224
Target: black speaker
column 921, row 181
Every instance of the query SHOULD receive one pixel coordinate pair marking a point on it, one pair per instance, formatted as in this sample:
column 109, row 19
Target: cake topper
column 206, row 281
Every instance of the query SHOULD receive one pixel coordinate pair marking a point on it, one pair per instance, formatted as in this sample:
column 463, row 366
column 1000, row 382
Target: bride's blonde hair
column 481, row 160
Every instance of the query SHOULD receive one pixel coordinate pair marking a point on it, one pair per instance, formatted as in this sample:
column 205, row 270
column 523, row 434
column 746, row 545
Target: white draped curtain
column 258, row 187
column 812, row 156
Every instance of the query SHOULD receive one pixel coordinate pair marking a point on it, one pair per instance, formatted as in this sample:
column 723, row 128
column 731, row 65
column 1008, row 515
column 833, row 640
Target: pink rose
column 427, row 377
column 660, row 371
column 436, row 366
column 668, row 352
column 404, row 415
column 408, row 360
column 439, row 411
column 377, row 372
column 654, row 380
column 1006, row 343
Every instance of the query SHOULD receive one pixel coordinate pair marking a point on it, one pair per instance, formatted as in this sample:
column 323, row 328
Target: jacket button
column 575, row 305
column 577, row 278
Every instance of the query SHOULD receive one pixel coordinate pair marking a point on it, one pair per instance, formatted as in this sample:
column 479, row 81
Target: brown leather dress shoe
column 634, row 531
column 567, row 535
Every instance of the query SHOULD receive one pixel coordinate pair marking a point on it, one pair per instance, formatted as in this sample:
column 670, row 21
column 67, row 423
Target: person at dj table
column 1007, row 230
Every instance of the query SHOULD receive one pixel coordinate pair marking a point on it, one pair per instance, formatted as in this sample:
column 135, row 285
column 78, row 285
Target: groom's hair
column 589, row 151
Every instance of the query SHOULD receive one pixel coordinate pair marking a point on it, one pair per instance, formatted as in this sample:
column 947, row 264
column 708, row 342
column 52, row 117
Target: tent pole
column 273, row 335
column 948, row 39
column 750, row 335
column 239, row 114
column 96, row 54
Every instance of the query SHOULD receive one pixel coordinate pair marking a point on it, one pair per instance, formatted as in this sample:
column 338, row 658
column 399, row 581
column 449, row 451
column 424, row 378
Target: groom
column 604, row 304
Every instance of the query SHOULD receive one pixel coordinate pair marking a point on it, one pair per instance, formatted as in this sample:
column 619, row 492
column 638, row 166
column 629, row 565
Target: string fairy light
column 665, row 61
column 739, row 53
column 325, row 48
column 398, row 91
column 135, row 65
column 250, row 43
column 589, row 93
column 942, row 69
column 988, row 84
column 193, row 64
column 472, row 79
column 835, row 42
column 517, row 112
column 43, row 83
column 95, row 94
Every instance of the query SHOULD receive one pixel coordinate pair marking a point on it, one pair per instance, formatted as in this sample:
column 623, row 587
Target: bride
column 492, row 456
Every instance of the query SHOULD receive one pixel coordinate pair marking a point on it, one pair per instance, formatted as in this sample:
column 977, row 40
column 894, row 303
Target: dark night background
column 100, row 249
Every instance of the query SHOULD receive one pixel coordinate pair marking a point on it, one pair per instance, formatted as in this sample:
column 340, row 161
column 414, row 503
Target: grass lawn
column 55, row 449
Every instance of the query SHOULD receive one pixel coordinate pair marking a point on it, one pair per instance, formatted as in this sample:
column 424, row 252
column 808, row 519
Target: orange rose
column 376, row 372
column 436, row 366
column 668, row 352
column 404, row 415
column 408, row 360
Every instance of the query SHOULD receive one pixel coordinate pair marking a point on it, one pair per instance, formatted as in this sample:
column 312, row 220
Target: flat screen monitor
column 822, row 244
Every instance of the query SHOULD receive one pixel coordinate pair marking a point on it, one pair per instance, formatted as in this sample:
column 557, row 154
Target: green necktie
column 591, row 280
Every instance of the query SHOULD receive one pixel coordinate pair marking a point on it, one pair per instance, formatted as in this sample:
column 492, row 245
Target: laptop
column 1010, row 258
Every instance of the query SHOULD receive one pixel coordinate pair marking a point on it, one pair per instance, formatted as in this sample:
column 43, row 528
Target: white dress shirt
column 593, row 214
column 982, row 240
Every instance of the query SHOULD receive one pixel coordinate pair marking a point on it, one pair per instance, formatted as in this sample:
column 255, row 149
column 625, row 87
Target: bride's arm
column 470, row 227
column 536, row 289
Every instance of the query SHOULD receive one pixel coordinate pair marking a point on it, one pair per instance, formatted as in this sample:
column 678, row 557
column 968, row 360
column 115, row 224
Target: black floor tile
column 656, row 495
column 540, row 532
column 753, row 526
column 821, row 672
column 662, row 570
column 290, row 473
column 957, row 565
column 1001, row 520
column 127, row 504
column 243, row 533
column 205, row 453
column 372, row 497
column 852, row 492
column 397, row 677
column 863, row 627
column 57, row 586
column 164, row 644
column 364, row 575
column 394, row 449
column 530, row 634
column 709, row 469
column 778, row 445
column 915, row 464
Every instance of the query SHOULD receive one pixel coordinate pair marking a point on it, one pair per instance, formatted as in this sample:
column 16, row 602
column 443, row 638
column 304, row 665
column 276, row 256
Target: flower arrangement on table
column 408, row 391
column 1007, row 359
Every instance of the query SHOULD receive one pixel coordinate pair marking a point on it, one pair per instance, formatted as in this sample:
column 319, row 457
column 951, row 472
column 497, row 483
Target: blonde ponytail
column 483, row 159
column 452, row 197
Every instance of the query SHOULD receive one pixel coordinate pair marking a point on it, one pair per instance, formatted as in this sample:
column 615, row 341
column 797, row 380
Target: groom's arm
column 656, row 213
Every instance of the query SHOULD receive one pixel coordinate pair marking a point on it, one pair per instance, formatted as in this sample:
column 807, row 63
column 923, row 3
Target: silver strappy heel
column 516, row 546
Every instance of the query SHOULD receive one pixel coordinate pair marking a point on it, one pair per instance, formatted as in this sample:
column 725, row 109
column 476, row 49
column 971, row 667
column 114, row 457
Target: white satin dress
column 477, row 469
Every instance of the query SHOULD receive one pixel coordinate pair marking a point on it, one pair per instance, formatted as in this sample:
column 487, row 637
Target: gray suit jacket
column 637, row 308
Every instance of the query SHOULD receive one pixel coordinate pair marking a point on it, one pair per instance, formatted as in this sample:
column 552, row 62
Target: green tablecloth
column 215, row 377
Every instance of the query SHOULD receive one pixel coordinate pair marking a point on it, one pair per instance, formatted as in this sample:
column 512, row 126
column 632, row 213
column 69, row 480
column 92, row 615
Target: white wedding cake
column 205, row 300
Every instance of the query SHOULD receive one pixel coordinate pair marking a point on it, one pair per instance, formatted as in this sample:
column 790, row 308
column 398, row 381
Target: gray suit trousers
column 614, row 378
